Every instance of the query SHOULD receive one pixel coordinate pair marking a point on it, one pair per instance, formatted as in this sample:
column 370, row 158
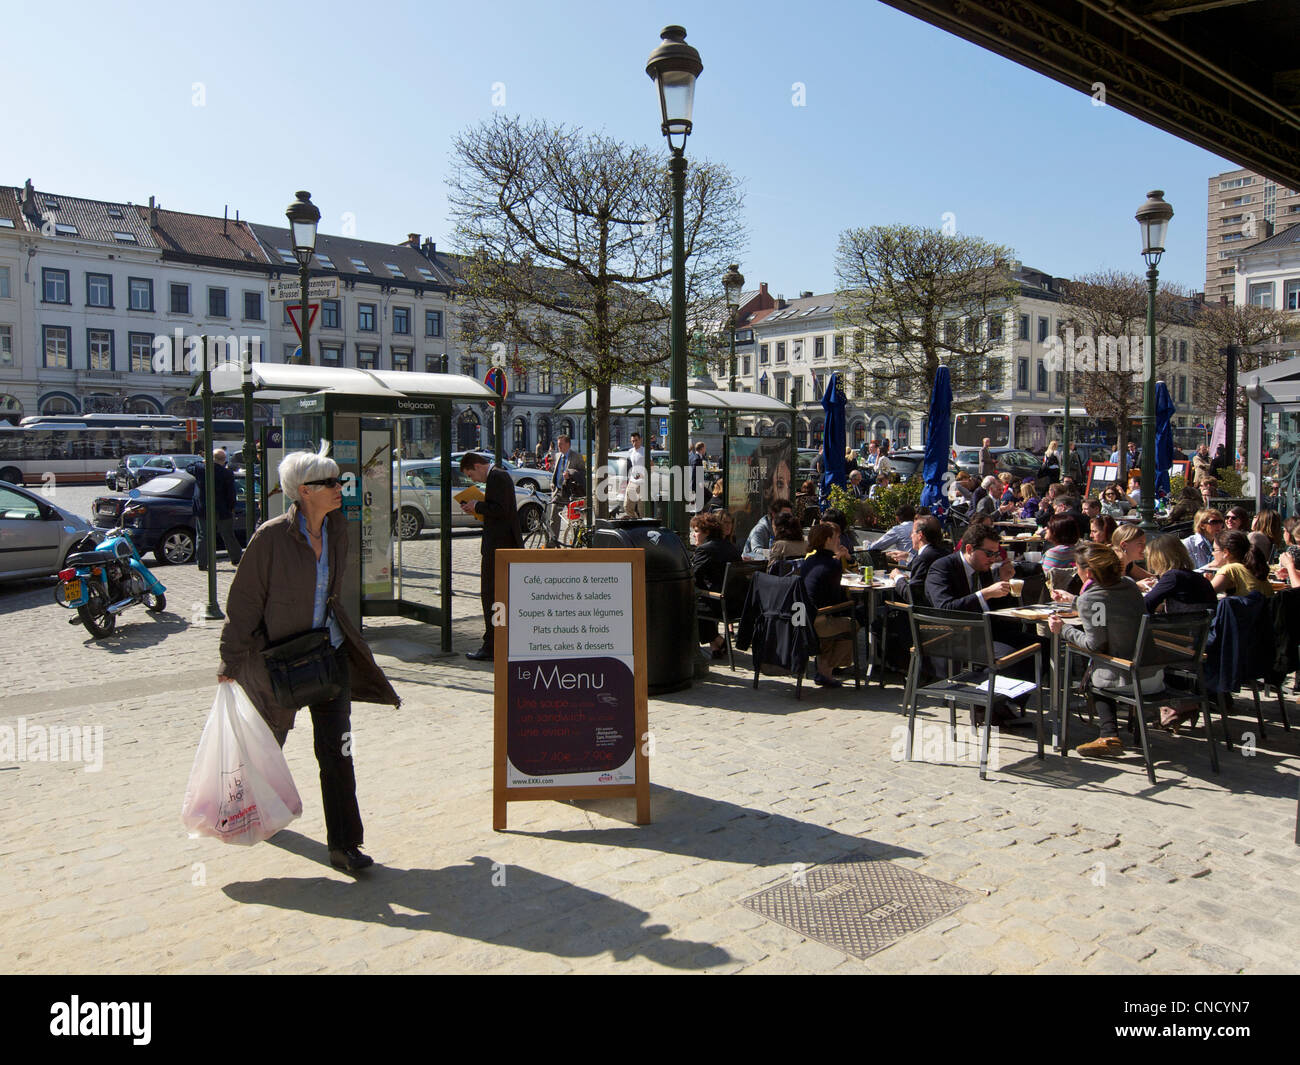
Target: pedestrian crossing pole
column 209, row 489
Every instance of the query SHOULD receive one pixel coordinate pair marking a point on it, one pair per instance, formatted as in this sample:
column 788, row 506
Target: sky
column 832, row 114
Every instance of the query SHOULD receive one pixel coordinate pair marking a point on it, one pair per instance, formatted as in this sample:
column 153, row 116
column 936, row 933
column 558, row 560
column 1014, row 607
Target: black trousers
column 487, row 585
column 331, row 725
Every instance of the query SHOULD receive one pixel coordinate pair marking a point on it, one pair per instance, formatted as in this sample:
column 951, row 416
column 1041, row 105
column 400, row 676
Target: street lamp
column 733, row 284
column 673, row 67
column 1153, row 220
column 303, row 217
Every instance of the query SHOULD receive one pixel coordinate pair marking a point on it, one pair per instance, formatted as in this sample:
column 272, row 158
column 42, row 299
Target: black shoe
column 481, row 655
column 350, row 859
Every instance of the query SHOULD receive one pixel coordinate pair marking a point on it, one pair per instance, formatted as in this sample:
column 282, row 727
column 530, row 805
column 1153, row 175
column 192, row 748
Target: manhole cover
column 858, row 905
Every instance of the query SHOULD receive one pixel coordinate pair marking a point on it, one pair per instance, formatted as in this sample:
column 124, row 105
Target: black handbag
column 303, row 669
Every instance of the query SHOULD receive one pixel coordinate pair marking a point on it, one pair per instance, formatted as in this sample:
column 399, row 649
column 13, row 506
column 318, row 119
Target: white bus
column 1030, row 430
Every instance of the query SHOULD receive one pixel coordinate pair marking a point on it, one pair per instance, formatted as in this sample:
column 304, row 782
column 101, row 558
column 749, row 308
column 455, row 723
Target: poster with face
column 759, row 470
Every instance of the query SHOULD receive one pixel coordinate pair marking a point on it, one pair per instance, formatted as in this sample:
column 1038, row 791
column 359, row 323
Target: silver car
column 36, row 535
column 420, row 501
column 524, row 476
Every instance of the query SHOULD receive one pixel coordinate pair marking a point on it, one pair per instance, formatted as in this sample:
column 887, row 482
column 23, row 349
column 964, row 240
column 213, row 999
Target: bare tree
column 571, row 250
column 917, row 298
column 1106, row 316
column 1247, row 326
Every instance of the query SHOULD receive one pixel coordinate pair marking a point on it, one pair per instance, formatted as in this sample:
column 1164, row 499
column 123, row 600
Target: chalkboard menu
column 570, row 698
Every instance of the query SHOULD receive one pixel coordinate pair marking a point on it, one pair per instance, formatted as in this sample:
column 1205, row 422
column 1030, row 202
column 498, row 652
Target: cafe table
column 855, row 587
column 1058, row 697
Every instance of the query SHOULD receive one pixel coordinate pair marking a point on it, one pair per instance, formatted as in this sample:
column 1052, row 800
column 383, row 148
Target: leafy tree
column 917, row 298
column 570, row 245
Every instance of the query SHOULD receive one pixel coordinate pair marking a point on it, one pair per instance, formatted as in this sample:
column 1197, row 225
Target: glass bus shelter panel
column 1281, row 459
column 416, row 500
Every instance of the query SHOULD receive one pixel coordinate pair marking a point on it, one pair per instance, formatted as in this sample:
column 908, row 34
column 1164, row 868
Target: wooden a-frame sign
column 571, row 682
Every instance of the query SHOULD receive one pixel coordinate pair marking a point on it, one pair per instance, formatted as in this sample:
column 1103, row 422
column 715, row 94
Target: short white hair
column 299, row 467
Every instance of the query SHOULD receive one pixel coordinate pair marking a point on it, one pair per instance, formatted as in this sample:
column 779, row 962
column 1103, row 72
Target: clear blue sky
column 902, row 122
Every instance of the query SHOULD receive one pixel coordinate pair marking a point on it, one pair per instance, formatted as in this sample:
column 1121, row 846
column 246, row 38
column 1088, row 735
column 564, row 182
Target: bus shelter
column 755, row 469
column 1273, row 436
column 362, row 415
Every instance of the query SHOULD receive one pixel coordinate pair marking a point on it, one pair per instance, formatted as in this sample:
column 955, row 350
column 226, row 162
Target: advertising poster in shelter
column 376, row 514
column 759, row 469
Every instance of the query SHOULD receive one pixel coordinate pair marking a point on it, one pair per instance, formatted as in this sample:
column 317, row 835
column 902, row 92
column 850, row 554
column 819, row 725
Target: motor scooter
column 100, row 584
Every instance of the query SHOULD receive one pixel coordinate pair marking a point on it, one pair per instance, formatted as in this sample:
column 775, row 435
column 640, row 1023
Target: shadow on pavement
column 709, row 829
column 142, row 630
column 528, row 910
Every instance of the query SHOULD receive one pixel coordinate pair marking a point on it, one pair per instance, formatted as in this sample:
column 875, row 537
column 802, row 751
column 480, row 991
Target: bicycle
column 572, row 529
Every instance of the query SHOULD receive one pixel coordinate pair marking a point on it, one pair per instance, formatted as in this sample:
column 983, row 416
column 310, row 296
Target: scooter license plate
column 72, row 592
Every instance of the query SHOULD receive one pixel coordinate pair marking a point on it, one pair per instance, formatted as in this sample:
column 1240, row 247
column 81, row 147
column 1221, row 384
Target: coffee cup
column 1017, row 586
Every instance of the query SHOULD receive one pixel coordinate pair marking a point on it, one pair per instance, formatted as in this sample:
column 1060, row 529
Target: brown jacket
column 271, row 598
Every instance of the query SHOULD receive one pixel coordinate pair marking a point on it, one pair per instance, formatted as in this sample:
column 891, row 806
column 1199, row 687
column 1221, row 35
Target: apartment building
column 1243, row 208
column 1268, row 273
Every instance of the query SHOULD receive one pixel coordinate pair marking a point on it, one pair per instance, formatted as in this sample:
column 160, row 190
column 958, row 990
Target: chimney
column 805, row 295
column 762, row 288
column 428, row 249
column 29, row 202
column 225, row 219
column 153, row 214
column 413, row 241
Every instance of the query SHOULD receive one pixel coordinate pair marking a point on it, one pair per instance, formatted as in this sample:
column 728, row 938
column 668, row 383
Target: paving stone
column 1221, row 957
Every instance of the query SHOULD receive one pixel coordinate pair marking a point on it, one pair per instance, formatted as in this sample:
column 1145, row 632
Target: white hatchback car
column 418, row 504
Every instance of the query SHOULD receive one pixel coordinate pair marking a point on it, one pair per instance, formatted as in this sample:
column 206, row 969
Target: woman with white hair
column 289, row 642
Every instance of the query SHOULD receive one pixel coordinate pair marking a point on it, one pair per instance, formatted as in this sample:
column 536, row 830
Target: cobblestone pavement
column 1076, row 867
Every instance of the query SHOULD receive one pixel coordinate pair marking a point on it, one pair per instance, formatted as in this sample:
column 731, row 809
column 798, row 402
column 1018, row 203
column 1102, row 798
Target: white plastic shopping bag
column 240, row 790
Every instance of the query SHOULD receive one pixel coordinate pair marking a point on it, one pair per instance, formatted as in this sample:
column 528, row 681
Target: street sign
column 496, row 380
column 663, row 428
column 286, row 289
column 295, row 309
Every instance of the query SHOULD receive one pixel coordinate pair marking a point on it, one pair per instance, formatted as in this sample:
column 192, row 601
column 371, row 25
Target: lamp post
column 733, row 283
column 303, row 217
column 674, row 66
column 1153, row 220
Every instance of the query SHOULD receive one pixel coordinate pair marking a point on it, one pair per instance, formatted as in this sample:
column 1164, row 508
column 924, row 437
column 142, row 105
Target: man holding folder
column 500, row 529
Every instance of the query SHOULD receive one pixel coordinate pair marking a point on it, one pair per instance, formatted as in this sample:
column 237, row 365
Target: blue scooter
column 100, row 584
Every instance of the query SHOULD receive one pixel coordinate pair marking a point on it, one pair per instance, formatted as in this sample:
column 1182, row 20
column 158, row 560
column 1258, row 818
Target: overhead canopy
column 624, row 400
column 1224, row 74
column 278, row 380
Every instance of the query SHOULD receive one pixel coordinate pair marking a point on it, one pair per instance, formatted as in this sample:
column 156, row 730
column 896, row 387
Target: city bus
column 1031, row 430
column 80, row 449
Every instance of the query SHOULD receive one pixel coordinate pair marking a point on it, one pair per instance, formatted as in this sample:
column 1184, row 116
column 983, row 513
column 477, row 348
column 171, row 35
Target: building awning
column 275, row 381
column 624, row 400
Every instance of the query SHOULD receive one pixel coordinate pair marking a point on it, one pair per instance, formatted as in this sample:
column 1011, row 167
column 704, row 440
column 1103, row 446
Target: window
column 1236, row 183
column 366, row 317
column 217, row 303
column 796, row 390
column 141, row 293
column 780, row 389
column 99, row 290
column 796, row 350
column 762, row 355
column 1022, row 373
column 140, row 346
column 469, row 367
column 972, row 331
column 1261, row 295
column 1042, row 377
column 180, row 298
column 287, row 257
column 839, row 348
column 359, row 265
column 1164, row 347
column 366, row 357
column 6, row 345
column 819, row 347
column 950, row 332
column 329, row 314
column 56, row 348
column 1182, row 390
column 54, row 283
column 290, row 352
column 519, row 379
column 401, row 359
column 1042, row 329
column 402, row 320
column 780, row 354
column 4, row 283
column 1182, row 351
column 433, row 364
column 994, row 378
column 99, row 349
column 7, row 223
column 331, row 355
column 252, row 306
column 544, row 381
column 124, row 238
column 1060, row 382
column 1022, row 332
column 745, row 361
column 288, row 312
column 63, row 229
column 762, row 385
column 1292, row 294
column 433, row 323
column 995, row 327
column 1229, row 237
column 325, row 261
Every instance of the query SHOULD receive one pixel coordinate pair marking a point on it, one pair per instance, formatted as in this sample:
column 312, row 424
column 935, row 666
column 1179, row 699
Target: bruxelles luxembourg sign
column 289, row 290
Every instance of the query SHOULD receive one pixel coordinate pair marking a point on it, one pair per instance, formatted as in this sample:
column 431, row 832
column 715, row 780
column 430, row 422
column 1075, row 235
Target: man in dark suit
column 570, row 480
column 500, row 529
column 223, row 484
column 965, row 580
column 927, row 543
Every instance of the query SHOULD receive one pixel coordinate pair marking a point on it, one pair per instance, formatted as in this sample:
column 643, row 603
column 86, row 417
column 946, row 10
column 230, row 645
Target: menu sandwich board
column 571, row 683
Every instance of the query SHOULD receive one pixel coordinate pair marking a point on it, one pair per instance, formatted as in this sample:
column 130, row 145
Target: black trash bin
column 671, row 636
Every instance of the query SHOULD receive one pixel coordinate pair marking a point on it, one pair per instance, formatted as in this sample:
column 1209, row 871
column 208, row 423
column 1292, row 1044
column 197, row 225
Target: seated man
column 901, row 534
column 927, row 543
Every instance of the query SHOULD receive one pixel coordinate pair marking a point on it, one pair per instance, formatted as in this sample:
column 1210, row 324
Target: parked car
column 157, row 465
column 523, row 476
column 122, row 477
column 160, row 516
column 419, row 505
column 1015, row 461
column 36, row 535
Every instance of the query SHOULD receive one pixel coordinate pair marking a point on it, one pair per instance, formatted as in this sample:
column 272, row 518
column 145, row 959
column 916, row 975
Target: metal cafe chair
column 726, row 606
column 1174, row 642
column 959, row 637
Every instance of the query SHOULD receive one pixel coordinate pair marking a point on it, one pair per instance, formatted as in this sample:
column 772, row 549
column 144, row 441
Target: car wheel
column 530, row 517
column 409, row 523
column 12, row 474
column 176, row 547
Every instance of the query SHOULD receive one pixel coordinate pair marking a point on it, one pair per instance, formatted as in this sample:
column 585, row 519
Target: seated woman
column 1175, row 587
column 709, row 568
column 1291, row 537
column 787, row 538
column 1266, row 533
column 728, row 526
column 716, row 502
column 1028, row 499
column 821, row 573
column 1129, row 542
column 805, row 504
column 1189, row 502
column 1241, row 565
column 1103, row 528
column 1113, row 504
column 1110, row 611
column 1058, row 560
column 1006, row 492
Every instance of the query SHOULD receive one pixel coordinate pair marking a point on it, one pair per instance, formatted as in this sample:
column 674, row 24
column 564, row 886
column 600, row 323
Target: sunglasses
column 1215, row 521
column 327, row 482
